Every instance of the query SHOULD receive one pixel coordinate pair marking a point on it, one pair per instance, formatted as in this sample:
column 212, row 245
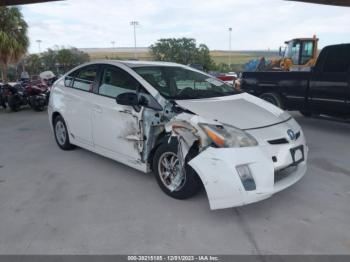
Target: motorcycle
column 37, row 95
column 34, row 92
column 14, row 96
column 27, row 93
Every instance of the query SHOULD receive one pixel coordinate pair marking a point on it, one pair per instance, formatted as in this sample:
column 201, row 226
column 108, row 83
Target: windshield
column 181, row 83
column 292, row 52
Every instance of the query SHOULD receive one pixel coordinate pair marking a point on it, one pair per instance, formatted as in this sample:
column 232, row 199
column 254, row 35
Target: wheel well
column 162, row 137
column 54, row 115
column 276, row 93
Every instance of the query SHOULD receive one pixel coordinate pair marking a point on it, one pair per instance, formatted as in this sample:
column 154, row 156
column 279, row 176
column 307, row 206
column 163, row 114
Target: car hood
column 242, row 110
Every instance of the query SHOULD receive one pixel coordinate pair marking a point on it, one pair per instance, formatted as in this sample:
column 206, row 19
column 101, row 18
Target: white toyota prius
column 190, row 129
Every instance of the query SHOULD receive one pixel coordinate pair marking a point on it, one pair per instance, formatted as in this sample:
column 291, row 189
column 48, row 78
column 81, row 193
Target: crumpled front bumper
column 217, row 170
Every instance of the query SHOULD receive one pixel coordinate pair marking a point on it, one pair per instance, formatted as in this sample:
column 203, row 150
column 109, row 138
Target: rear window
column 337, row 60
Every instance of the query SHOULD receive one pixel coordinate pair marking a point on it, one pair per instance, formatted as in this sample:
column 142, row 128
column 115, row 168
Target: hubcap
column 170, row 171
column 61, row 134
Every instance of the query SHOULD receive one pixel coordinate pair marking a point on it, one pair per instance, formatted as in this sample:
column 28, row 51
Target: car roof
column 134, row 63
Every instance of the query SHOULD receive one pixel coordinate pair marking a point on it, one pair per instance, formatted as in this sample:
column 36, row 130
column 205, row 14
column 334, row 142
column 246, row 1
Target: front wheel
column 61, row 134
column 273, row 98
column 13, row 103
column 170, row 177
column 2, row 102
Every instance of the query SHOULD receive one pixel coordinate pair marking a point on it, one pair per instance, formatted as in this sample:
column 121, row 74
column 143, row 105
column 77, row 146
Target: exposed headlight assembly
column 228, row 136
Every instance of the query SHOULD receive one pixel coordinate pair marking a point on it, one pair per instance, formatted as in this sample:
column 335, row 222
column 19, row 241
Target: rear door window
column 85, row 78
column 337, row 60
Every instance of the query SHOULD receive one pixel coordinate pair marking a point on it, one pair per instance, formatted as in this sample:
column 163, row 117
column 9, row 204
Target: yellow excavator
column 300, row 54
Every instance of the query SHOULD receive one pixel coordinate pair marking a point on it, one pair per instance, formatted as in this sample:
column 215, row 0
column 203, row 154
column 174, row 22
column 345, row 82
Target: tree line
column 14, row 43
column 58, row 61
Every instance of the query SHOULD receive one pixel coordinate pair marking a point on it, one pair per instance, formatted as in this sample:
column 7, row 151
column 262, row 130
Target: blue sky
column 257, row 24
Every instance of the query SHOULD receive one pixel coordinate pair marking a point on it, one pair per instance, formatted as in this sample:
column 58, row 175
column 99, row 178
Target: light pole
column 229, row 46
column 39, row 43
column 134, row 24
column 113, row 44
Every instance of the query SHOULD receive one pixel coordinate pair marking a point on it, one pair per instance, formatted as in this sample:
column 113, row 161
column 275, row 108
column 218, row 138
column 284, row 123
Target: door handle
column 98, row 109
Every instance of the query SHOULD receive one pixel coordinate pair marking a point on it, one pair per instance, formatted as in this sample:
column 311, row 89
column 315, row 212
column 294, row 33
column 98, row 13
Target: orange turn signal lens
column 217, row 139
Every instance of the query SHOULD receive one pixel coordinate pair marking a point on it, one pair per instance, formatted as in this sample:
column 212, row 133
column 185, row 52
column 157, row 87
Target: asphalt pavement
column 77, row 202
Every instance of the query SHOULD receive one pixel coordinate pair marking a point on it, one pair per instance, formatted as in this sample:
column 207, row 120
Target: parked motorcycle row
column 34, row 92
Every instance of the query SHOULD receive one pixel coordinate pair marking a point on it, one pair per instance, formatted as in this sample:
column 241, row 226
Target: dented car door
column 116, row 127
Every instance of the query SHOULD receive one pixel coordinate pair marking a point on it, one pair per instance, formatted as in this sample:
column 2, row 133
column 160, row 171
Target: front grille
column 285, row 172
column 283, row 140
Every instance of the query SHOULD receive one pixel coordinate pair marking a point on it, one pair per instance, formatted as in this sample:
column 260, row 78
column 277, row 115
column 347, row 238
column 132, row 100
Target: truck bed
column 291, row 86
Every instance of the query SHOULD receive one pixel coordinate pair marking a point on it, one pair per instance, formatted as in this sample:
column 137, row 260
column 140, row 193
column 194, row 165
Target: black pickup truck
column 325, row 89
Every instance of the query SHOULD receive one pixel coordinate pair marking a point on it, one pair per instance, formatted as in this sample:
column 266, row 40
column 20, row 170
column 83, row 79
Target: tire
column 2, row 102
column 39, row 108
column 190, row 184
column 273, row 98
column 35, row 104
column 61, row 133
column 306, row 113
column 13, row 103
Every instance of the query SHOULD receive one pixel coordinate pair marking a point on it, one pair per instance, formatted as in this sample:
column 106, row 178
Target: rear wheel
column 174, row 182
column 272, row 98
column 61, row 133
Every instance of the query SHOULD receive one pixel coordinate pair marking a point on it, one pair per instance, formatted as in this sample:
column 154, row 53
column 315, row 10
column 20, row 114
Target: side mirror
column 127, row 99
column 131, row 99
column 149, row 102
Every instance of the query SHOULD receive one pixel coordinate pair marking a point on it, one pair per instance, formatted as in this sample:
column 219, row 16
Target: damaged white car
column 190, row 129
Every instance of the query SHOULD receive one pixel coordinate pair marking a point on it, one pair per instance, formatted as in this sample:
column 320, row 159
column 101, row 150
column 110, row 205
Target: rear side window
column 337, row 60
column 85, row 78
column 116, row 81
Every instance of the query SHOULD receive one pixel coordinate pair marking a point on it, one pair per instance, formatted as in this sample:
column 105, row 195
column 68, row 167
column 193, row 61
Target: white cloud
column 257, row 24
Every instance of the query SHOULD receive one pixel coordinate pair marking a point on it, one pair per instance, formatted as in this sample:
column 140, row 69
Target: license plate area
column 297, row 154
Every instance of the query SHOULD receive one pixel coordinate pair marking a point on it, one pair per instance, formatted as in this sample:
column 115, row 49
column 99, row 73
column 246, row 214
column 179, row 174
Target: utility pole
column 113, row 44
column 39, row 43
column 134, row 24
column 229, row 46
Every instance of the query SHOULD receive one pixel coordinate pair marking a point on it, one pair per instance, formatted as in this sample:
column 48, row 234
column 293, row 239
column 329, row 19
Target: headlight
column 228, row 136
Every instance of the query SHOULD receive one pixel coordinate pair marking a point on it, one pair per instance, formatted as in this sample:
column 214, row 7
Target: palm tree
column 13, row 37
